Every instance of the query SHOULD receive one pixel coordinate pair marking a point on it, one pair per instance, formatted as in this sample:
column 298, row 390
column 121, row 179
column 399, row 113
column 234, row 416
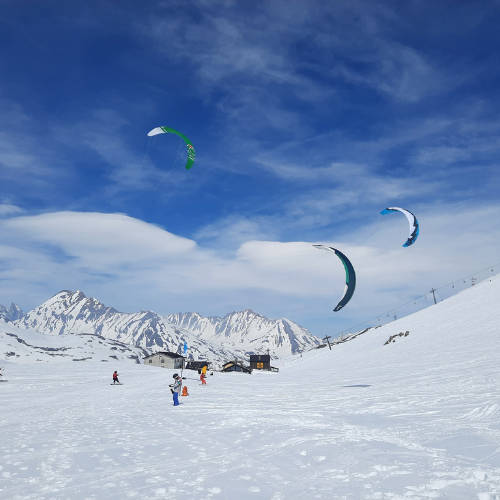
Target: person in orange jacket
column 115, row 378
column 202, row 378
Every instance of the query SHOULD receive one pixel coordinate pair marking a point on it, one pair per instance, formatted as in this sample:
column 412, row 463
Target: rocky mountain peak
column 12, row 313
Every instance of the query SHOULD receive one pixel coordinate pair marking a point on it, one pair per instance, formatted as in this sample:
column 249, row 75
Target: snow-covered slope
column 249, row 331
column 24, row 346
column 413, row 418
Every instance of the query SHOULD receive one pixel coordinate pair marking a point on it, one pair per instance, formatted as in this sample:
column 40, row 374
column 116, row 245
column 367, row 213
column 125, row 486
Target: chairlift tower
column 327, row 339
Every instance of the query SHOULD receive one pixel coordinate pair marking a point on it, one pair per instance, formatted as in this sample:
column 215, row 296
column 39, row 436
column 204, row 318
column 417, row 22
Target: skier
column 176, row 388
column 202, row 378
column 115, row 378
column 204, row 370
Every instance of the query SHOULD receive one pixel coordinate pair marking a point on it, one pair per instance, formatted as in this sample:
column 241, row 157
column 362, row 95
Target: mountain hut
column 196, row 365
column 165, row 360
column 232, row 366
column 260, row 361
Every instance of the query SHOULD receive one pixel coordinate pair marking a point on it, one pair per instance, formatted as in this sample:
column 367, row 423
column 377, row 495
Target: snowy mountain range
column 249, row 331
column 216, row 339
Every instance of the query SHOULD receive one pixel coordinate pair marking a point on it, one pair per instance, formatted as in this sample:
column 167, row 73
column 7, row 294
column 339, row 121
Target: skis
column 118, row 383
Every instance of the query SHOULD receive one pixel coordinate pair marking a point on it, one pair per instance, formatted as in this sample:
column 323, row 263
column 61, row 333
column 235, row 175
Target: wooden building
column 196, row 365
column 260, row 361
column 165, row 360
column 232, row 366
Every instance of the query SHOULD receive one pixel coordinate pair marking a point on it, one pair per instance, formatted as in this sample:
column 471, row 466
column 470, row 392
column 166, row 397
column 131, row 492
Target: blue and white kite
column 412, row 221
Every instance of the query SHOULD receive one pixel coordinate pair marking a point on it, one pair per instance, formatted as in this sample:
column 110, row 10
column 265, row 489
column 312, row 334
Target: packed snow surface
column 415, row 418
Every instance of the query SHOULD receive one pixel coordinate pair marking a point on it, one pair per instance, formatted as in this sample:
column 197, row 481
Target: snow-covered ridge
column 214, row 339
column 248, row 330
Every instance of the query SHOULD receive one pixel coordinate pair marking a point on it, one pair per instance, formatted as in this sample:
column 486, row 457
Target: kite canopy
column 350, row 276
column 412, row 220
column 190, row 148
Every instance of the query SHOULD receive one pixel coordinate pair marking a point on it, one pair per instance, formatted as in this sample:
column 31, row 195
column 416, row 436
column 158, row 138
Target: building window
column 163, row 361
column 150, row 360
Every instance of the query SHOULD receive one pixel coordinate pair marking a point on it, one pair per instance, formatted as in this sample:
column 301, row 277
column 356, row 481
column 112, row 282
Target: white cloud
column 101, row 241
column 232, row 231
column 130, row 264
column 9, row 209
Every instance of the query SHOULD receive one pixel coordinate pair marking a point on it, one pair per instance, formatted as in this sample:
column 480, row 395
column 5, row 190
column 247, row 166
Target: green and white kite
column 190, row 148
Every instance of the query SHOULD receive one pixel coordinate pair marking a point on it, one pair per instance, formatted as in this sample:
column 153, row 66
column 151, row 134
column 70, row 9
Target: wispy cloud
column 354, row 42
column 27, row 162
column 102, row 133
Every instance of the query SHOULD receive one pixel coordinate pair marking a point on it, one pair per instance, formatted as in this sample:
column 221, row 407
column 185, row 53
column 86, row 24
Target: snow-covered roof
column 164, row 353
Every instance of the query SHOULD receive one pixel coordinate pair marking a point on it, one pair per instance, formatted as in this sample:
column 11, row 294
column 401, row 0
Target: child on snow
column 115, row 378
column 202, row 378
column 176, row 388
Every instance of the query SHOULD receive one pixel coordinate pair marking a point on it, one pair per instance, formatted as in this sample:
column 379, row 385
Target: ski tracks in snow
column 67, row 434
column 487, row 412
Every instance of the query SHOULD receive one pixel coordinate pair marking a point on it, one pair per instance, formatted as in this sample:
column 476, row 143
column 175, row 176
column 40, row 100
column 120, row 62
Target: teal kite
column 350, row 276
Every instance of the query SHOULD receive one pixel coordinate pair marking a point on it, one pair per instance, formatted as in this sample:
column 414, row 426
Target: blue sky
column 308, row 118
